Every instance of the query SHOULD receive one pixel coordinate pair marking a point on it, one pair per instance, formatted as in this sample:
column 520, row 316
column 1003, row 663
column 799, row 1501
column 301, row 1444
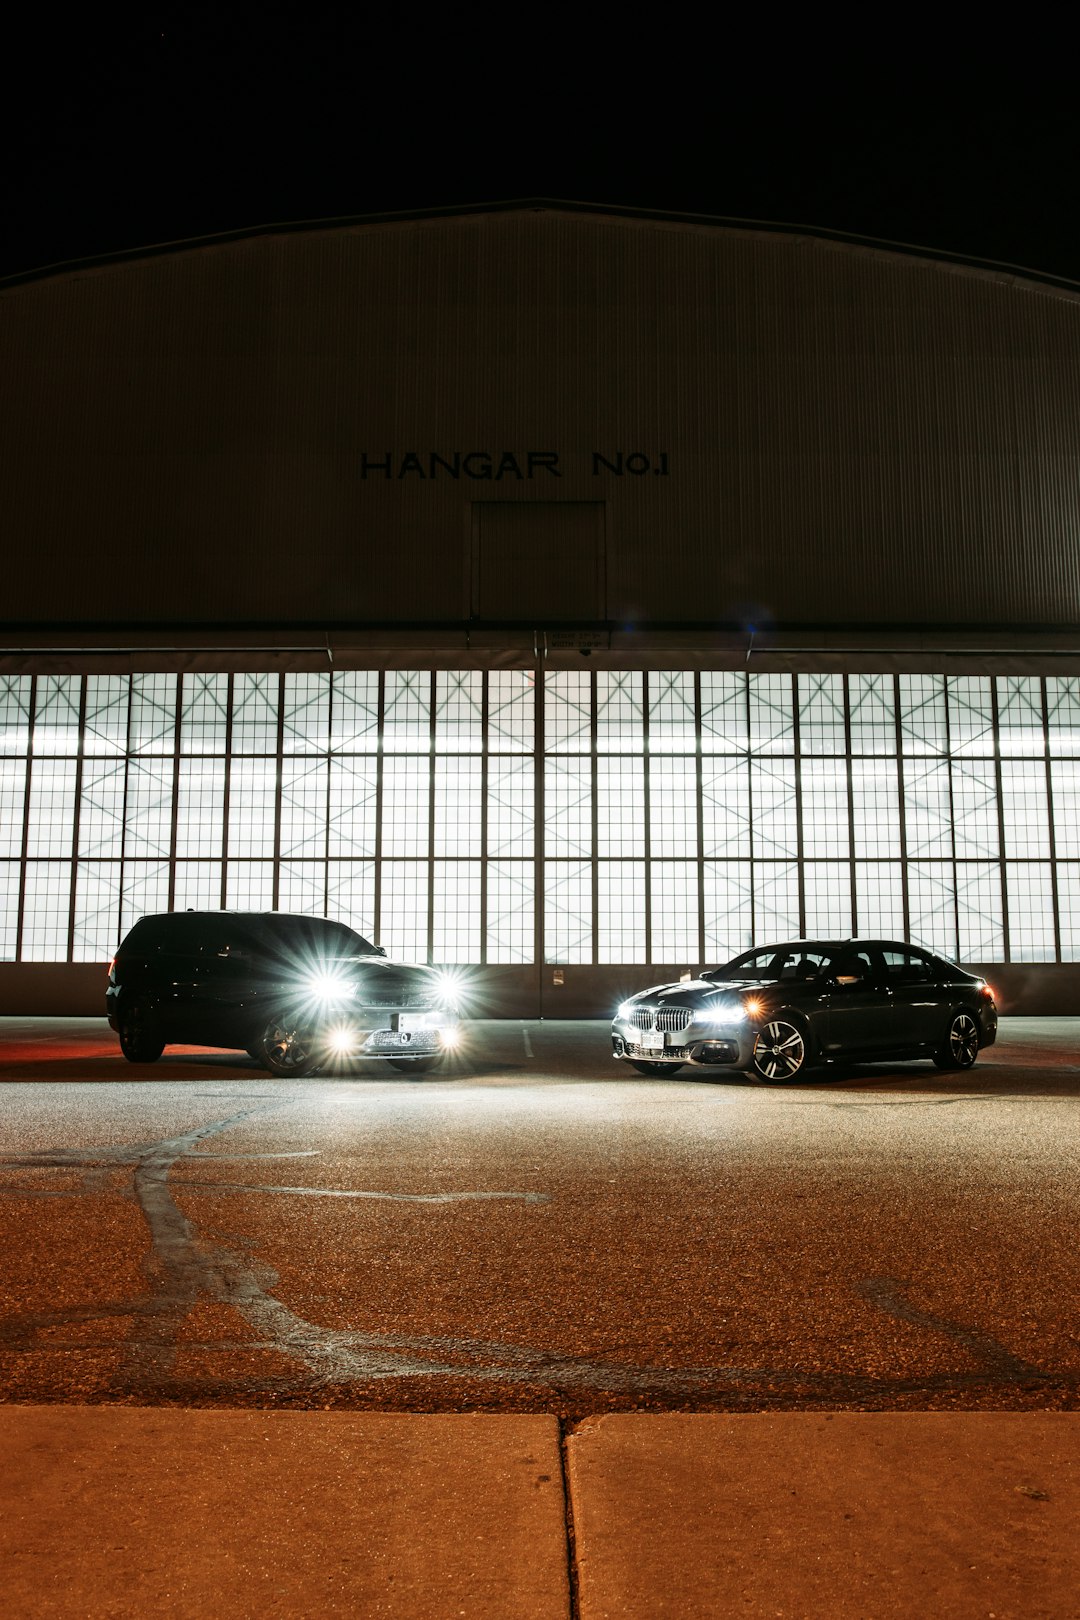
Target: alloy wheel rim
column 288, row 1048
column 964, row 1040
column 779, row 1051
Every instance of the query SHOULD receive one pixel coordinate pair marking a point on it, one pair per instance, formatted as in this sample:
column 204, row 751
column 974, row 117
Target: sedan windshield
column 776, row 964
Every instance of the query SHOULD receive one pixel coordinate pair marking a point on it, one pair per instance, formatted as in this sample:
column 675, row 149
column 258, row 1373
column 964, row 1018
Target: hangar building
column 576, row 594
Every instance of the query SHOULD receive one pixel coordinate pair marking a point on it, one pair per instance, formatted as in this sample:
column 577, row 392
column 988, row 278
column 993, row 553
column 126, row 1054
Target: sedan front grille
column 669, row 1018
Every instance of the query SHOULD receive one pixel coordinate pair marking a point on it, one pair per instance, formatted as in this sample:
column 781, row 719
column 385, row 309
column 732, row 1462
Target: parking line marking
column 528, row 1043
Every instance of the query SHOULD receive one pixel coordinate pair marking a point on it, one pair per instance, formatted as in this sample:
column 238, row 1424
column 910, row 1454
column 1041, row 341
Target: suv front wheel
column 289, row 1050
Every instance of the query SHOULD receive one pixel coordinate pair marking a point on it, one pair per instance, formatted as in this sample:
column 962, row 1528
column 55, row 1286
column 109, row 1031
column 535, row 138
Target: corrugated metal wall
column 851, row 437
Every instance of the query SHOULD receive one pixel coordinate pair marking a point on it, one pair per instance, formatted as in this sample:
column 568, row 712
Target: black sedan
column 778, row 1009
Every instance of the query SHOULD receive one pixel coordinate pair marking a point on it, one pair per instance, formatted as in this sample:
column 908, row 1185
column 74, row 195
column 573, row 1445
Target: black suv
column 295, row 992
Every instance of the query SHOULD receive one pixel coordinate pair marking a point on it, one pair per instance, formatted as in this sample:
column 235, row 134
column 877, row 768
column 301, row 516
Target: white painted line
column 528, row 1043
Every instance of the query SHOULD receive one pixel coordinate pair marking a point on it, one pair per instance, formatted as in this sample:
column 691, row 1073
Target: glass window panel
column 306, row 725
column 619, row 712
column 975, row 810
column 106, row 714
column 406, row 800
column 1024, row 809
column 148, row 817
column 728, row 910
column 14, row 714
column 46, row 911
column 200, row 805
column 922, row 714
column 510, row 908
column 672, row 723
column 723, row 712
column 407, row 716
column 255, row 714
column 56, row 715
column 303, row 808
column 567, row 912
column 459, row 711
column 405, row 909
column 457, row 807
column 101, row 810
column 153, row 714
column 827, row 886
column 354, row 712
column 873, row 714
column 673, row 807
column 674, row 887
column 927, row 809
column 1020, row 716
column 567, row 808
column 511, row 710
column 302, row 887
column 932, row 906
column 350, row 896
column 249, row 885
column 821, row 714
column 203, row 713
column 12, row 805
column 825, row 808
column 879, row 899
column 1063, row 711
column 252, row 800
column 456, row 922
column 725, row 807
column 51, row 817
column 875, row 807
column 620, row 807
column 9, row 909
column 1065, row 788
column 97, row 911
column 198, row 886
column 971, row 714
column 510, row 807
column 145, row 891
column 1068, row 877
column 352, row 806
column 772, row 789
column 776, row 902
column 978, row 903
column 567, row 713
column 621, row 911
column 1031, row 911
column 771, row 719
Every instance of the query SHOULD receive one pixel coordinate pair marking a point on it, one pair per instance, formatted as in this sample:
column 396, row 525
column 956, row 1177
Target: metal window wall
column 589, row 817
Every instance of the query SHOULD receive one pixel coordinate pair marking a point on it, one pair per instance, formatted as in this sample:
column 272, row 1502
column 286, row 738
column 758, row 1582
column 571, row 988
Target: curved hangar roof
column 540, row 414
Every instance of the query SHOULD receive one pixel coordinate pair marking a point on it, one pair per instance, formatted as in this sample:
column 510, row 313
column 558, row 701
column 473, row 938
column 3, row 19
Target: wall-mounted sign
column 521, row 464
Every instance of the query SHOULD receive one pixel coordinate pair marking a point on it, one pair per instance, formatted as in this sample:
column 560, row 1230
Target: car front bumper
column 709, row 1046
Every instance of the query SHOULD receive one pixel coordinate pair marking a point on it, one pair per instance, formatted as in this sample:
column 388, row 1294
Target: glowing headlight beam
column 329, row 988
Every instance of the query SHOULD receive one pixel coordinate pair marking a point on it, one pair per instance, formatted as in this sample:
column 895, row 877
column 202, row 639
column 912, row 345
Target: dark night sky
column 182, row 124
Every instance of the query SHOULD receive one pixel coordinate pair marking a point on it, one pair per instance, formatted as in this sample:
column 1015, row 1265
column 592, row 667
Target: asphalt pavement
column 539, row 1234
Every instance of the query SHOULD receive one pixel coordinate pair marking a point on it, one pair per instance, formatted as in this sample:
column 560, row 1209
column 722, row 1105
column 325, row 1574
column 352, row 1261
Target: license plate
column 411, row 1021
column 652, row 1040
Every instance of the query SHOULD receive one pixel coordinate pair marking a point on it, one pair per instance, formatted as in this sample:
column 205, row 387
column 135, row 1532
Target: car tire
column 960, row 1047
column 289, row 1050
column 655, row 1068
column 139, row 1029
column 781, row 1051
column 417, row 1065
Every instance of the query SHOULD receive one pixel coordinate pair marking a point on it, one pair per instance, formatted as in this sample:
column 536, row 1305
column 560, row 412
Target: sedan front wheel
column 779, row 1051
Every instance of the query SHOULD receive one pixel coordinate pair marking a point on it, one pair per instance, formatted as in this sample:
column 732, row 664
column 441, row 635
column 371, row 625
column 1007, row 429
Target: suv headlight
column 329, row 989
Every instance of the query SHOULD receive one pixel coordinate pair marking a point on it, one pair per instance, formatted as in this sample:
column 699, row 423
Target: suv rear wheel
column 289, row 1050
column 141, row 1040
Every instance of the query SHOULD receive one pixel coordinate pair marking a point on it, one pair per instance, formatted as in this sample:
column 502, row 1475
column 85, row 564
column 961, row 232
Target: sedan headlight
column 625, row 1009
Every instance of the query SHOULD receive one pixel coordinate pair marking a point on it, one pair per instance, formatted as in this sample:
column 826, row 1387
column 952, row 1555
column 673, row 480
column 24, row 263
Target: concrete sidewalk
column 123, row 1511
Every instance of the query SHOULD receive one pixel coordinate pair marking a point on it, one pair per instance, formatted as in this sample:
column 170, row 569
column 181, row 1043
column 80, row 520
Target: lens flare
column 752, row 1007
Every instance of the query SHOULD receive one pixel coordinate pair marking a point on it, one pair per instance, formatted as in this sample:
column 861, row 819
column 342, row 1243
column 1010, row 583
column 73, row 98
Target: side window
column 895, row 965
column 921, row 968
column 908, row 967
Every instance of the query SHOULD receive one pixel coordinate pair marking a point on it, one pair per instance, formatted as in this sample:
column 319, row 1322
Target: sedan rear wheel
column 961, row 1046
column 289, row 1050
column 779, row 1051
